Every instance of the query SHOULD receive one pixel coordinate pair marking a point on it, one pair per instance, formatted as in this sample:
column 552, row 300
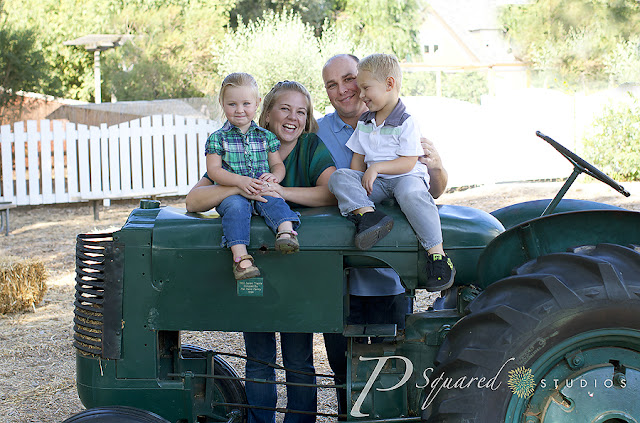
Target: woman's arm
column 204, row 195
column 317, row 196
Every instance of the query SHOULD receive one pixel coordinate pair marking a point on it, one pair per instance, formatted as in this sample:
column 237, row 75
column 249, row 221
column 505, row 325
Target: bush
column 465, row 86
column 281, row 46
column 614, row 142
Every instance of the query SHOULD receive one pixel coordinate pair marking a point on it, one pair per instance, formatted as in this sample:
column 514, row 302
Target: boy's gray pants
column 410, row 192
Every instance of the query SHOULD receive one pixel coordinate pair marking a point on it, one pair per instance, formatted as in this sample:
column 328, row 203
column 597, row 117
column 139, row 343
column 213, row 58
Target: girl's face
column 288, row 116
column 239, row 105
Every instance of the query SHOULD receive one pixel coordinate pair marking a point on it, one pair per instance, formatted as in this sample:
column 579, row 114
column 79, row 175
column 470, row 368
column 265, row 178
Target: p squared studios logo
column 521, row 382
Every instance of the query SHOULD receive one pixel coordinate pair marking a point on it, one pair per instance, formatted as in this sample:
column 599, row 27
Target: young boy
column 244, row 155
column 386, row 147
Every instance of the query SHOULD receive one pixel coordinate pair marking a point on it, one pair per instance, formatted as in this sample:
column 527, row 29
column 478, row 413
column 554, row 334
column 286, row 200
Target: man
column 376, row 295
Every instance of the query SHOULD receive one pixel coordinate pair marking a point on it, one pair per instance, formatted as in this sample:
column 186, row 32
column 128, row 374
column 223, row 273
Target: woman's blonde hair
column 238, row 79
column 269, row 100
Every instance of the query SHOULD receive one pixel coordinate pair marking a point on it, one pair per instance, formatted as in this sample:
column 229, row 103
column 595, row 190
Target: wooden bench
column 4, row 216
column 106, row 198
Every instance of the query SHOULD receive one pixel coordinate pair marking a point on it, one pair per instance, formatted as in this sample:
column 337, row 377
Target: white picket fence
column 53, row 162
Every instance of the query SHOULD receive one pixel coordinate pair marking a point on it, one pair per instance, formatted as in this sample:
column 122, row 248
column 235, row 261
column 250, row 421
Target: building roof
column 474, row 26
column 123, row 111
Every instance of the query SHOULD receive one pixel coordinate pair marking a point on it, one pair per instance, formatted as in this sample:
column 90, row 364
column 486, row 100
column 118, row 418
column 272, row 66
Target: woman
column 288, row 113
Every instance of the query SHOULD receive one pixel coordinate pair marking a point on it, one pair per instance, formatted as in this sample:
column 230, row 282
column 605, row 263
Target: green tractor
column 542, row 324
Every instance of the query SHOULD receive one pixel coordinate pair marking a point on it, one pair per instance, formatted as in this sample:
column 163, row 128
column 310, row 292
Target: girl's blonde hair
column 269, row 100
column 238, row 79
column 382, row 66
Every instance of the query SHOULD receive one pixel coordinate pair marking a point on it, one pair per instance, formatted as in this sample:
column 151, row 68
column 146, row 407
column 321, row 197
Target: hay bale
column 22, row 283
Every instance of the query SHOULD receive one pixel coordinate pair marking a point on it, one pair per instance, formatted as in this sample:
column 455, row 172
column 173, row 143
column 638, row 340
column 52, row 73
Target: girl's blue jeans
column 236, row 214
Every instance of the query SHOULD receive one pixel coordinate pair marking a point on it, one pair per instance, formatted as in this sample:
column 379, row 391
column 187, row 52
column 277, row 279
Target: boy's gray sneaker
column 440, row 272
column 371, row 227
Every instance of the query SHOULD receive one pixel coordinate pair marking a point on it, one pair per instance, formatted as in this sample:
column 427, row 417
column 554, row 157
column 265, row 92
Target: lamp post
column 96, row 43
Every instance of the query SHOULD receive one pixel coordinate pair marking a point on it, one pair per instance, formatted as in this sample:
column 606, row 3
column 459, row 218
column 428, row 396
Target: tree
column 21, row 64
column 623, row 63
column 311, row 12
column 390, row 26
column 170, row 55
column 280, row 46
column 567, row 41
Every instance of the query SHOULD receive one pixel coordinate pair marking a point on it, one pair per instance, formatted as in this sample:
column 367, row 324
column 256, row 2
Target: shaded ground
column 37, row 361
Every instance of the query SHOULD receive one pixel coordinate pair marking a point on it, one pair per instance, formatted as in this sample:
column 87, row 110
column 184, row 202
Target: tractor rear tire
column 561, row 318
column 115, row 414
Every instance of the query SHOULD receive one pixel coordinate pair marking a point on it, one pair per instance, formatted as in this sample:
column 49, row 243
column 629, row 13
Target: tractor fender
column 515, row 214
column 553, row 234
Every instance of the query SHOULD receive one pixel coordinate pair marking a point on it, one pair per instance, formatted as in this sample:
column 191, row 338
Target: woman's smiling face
column 288, row 116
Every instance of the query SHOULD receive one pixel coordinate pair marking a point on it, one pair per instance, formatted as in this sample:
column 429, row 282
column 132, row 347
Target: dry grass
column 37, row 361
column 22, row 283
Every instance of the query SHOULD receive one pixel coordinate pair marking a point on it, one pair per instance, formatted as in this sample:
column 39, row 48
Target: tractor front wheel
column 559, row 341
column 116, row 414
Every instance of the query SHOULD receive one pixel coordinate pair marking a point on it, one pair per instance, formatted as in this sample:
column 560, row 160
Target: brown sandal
column 244, row 272
column 287, row 245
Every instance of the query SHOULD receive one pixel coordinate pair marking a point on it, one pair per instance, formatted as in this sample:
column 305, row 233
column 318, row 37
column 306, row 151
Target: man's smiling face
column 339, row 76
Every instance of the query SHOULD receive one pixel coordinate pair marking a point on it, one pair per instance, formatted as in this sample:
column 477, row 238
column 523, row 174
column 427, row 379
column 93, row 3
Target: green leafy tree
column 69, row 69
column 311, row 12
column 390, row 26
column 614, row 142
column 281, row 46
column 567, row 41
column 170, row 55
column 21, row 64
column 622, row 64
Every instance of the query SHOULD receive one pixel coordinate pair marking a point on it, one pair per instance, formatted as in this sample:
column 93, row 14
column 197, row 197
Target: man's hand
column 369, row 178
column 431, row 156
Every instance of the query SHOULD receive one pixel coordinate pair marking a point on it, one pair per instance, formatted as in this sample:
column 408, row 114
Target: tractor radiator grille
column 91, row 257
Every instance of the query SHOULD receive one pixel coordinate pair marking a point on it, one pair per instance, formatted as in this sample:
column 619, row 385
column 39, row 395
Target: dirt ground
column 37, row 361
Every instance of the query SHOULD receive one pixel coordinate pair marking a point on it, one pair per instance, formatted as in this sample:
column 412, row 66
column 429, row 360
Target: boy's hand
column 249, row 185
column 268, row 177
column 368, row 179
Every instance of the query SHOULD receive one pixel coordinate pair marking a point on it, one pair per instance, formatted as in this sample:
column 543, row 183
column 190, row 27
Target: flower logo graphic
column 522, row 382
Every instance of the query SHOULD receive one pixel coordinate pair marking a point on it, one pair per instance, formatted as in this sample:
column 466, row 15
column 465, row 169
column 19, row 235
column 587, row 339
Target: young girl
column 244, row 155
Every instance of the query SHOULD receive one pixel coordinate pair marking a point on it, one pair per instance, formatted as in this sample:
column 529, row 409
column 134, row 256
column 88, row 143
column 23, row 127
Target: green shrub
column 613, row 144
column 465, row 86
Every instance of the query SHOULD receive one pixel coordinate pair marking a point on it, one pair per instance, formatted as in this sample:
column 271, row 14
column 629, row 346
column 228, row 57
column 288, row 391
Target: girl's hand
column 249, row 185
column 268, row 177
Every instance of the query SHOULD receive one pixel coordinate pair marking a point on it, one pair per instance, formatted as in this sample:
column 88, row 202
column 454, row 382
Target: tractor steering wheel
column 583, row 165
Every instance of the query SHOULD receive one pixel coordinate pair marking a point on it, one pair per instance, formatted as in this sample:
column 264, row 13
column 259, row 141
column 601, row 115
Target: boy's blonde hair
column 381, row 67
column 238, row 79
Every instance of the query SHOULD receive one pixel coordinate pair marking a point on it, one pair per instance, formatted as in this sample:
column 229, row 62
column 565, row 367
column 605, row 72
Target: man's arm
column 438, row 176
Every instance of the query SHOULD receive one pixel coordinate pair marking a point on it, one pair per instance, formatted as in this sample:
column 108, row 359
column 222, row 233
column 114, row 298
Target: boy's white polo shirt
column 397, row 136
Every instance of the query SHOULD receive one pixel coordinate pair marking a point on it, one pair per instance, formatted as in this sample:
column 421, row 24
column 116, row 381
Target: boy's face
column 376, row 94
column 239, row 105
